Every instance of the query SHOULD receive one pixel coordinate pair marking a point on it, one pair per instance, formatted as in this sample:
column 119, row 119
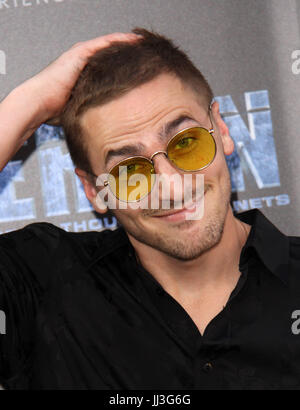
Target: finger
column 84, row 50
column 101, row 42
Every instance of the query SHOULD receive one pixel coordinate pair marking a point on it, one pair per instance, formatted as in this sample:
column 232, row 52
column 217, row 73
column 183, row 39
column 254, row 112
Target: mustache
column 173, row 205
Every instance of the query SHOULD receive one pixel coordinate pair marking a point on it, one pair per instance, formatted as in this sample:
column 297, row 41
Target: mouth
column 175, row 215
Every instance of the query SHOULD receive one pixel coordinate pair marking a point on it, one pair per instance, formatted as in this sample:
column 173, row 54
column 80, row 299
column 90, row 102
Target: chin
column 185, row 244
column 185, row 240
column 191, row 247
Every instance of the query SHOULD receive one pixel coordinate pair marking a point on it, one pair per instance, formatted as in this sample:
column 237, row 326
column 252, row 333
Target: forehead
column 139, row 114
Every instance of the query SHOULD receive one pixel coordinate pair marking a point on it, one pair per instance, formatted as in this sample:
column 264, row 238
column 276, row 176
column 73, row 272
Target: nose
column 162, row 164
column 169, row 178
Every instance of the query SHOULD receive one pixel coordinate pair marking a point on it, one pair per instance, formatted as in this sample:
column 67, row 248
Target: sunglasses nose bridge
column 156, row 153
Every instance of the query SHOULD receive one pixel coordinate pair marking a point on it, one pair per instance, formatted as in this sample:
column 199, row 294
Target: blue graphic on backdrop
column 254, row 155
column 12, row 209
column 254, row 145
column 53, row 165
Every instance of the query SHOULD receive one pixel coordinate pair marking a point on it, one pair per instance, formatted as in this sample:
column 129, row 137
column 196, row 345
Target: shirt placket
column 215, row 343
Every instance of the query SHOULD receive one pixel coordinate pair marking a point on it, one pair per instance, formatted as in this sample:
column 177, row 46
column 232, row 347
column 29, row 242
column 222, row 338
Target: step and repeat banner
column 249, row 50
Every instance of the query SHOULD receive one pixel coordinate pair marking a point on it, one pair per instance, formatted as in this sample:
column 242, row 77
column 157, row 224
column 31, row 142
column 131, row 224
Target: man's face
column 137, row 119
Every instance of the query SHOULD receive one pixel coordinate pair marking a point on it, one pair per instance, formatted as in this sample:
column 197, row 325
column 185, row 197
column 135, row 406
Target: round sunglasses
column 191, row 149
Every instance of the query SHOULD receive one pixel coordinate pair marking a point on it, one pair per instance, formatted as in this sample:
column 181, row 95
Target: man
column 165, row 302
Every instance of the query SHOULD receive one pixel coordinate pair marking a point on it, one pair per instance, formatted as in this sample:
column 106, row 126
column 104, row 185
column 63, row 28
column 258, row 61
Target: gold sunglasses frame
column 150, row 160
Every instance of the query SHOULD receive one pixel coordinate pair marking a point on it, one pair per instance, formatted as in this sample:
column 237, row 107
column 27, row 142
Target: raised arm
column 43, row 96
column 25, row 254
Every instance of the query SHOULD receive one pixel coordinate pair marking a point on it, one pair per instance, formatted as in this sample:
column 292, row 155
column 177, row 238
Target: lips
column 171, row 212
column 178, row 213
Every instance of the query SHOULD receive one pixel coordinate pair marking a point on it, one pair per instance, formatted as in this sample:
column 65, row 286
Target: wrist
column 26, row 105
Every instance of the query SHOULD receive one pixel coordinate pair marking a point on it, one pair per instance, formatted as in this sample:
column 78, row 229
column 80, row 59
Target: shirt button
column 207, row 368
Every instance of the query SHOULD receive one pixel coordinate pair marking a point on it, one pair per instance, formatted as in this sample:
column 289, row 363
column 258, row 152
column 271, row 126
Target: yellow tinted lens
column 192, row 149
column 131, row 179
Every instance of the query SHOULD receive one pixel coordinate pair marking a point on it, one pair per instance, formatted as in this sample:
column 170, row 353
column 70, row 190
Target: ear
column 90, row 189
column 227, row 141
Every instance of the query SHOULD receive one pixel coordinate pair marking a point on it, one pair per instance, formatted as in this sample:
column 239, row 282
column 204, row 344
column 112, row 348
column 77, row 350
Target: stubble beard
column 177, row 243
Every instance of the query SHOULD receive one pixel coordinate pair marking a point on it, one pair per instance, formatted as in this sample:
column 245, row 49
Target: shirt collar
column 271, row 245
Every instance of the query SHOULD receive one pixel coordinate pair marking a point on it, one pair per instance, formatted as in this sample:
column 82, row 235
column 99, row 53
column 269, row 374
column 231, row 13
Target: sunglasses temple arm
column 210, row 117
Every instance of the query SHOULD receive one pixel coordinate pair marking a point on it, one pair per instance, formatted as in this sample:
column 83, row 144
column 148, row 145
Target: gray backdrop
column 249, row 52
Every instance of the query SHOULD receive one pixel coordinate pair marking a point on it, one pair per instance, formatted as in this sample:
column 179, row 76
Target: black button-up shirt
column 82, row 313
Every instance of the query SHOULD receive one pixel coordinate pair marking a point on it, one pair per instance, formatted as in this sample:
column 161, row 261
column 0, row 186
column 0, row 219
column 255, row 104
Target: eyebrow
column 171, row 126
column 136, row 149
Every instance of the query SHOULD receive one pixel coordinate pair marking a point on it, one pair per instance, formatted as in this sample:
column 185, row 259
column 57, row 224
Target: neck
column 216, row 268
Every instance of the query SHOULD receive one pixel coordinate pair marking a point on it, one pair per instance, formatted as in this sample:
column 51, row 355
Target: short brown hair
column 114, row 71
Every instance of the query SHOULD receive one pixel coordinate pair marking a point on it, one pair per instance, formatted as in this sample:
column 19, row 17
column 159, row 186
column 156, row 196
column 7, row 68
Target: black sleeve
column 25, row 266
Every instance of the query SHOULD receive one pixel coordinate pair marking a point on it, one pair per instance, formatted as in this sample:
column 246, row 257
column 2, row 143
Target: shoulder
column 294, row 267
column 294, row 245
column 47, row 250
column 50, row 237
